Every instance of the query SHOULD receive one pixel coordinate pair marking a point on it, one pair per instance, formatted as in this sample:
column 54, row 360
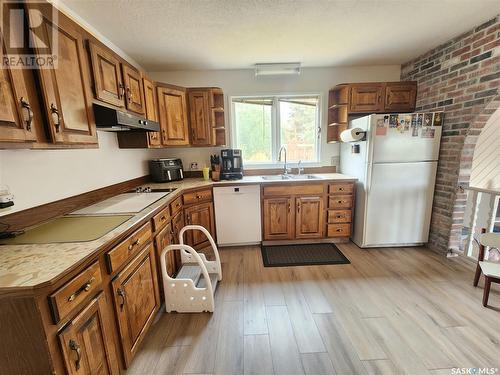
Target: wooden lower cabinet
column 199, row 214
column 338, row 230
column 86, row 344
column 309, row 219
column 307, row 211
column 136, row 299
column 162, row 240
column 340, row 210
column 278, row 218
column 177, row 225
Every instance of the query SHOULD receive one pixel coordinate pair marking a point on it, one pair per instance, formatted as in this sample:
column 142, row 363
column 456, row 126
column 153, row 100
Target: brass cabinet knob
column 74, row 346
column 56, row 117
column 29, row 113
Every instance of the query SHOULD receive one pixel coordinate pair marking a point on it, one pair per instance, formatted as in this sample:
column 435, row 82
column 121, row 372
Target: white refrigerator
column 395, row 165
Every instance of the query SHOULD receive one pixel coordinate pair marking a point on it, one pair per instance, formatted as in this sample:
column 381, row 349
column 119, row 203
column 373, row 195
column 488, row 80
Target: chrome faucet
column 285, row 167
column 299, row 167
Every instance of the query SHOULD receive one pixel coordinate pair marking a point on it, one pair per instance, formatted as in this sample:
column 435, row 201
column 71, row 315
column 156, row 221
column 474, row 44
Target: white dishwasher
column 237, row 215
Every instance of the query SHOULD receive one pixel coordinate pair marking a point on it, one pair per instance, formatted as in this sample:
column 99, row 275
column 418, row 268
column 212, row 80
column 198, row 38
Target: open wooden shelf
column 338, row 112
column 338, row 124
column 217, row 99
column 220, row 136
column 337, row 105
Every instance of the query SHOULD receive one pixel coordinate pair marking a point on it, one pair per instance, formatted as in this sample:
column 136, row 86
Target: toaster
column 165, row 170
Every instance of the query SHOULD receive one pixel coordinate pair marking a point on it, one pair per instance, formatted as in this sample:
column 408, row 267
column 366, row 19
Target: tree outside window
column 263, row 124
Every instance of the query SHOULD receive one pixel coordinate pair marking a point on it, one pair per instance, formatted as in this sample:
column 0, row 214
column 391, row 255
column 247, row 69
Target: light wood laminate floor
column 392, row 311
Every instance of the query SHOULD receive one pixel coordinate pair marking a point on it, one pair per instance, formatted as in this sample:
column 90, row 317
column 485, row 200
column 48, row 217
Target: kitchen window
column 261, row 125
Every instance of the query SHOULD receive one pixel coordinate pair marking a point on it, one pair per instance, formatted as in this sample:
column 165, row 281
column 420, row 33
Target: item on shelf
column 232, row 164
column 215, row 163
column 352, row 135
column 206, row 173
column 165, row 170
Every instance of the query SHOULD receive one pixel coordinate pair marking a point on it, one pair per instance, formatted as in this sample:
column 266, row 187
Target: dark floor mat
column 302, row 255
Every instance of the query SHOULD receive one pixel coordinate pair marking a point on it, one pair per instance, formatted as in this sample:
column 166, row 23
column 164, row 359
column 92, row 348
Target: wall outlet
column 194, row 165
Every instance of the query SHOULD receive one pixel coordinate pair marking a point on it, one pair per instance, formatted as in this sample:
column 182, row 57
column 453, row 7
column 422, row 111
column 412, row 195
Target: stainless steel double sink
column 289, row 177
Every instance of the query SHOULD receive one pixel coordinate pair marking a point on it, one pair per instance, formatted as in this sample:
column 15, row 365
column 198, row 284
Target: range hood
column 109, row 119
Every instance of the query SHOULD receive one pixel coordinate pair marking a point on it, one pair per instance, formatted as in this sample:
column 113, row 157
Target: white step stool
column 193, row 289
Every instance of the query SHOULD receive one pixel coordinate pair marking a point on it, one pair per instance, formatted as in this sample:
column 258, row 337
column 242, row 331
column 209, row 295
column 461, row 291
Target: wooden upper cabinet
column 67, row 97
column 86, row 343
column 134, row 92
column 16, row 113
column 137, row 299
column 107, row 74
column 151, row 103
column 400, row 96
column 173, row 116
column 200, row 214
column 366, row 97
column 20, row 118
column 309, row 217
column 278, row 215
column 199, row 115
column 374, row 97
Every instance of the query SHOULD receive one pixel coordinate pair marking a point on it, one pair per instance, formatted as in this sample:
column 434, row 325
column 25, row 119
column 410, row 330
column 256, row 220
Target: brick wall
column 460, row 77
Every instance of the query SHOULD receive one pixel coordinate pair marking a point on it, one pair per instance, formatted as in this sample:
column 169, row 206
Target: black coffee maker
column 232, row 164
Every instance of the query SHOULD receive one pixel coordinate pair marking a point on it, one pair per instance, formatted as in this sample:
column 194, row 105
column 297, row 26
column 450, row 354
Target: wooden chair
column 491, row 271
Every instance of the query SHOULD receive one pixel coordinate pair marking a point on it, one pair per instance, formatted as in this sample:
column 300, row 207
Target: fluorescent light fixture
column 277, row 69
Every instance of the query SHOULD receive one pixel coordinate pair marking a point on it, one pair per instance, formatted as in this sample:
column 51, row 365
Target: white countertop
column 34, row 265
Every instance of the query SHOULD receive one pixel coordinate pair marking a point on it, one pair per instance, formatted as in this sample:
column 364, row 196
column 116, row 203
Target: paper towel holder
column 363, row 138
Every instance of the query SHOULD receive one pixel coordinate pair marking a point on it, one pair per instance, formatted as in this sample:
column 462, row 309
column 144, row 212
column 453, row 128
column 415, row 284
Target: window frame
column 276, row 128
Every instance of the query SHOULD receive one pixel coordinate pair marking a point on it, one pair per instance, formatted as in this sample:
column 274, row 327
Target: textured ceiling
column 233, row 34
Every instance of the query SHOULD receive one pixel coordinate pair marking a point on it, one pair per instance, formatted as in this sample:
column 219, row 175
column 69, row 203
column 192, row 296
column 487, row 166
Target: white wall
column 36, row 177
column 485, row 171
column 243, row 82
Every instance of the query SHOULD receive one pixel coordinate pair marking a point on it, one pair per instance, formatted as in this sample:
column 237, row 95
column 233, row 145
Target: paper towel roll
column 352, row 135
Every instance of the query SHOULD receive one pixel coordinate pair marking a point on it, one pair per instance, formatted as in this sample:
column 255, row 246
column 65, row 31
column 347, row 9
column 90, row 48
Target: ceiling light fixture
column 277, row 69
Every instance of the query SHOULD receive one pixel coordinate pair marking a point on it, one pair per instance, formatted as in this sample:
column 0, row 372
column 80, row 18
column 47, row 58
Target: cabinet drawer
column 339, row 230
column 345, row 188
column 75, row 291
column 289, row 189
column 198, row 196
column 161, row 219
column 128, row 248
column 176, row 205
column 340, row 201
column 339, row 216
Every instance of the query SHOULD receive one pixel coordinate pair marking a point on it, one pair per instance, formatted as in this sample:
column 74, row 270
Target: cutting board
column 69, row 229
column 120, row 204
